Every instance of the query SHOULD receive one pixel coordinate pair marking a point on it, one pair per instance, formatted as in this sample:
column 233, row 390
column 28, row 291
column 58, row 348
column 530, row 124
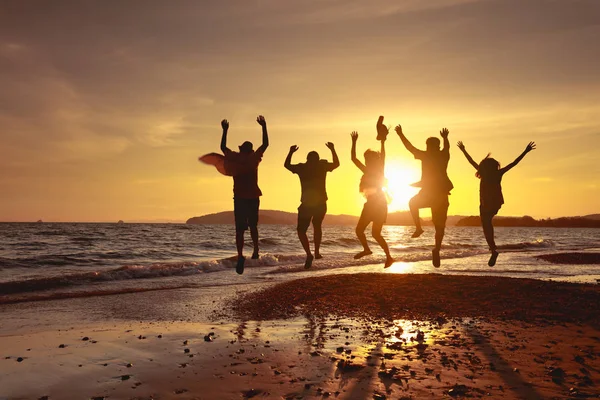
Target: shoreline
column 356, row 337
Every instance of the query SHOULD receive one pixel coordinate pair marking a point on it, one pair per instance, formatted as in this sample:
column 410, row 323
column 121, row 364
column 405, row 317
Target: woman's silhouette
column 375, row 208
column 490, row 192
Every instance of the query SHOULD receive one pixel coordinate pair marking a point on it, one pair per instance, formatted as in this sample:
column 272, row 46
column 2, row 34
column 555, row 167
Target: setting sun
column 399, row 177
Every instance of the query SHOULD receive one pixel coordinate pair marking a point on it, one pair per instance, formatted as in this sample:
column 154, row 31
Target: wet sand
column 357, row 336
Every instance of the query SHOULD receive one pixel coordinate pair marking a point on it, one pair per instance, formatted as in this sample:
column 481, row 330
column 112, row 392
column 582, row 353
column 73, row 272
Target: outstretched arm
column 336, row 160
column 288, row 159
column 462, row 148
column 444, row 134
column 265, row 136
column 382, row 151
column 225, row 126
column 530, row 146
column 355, row 160
column 405, row 141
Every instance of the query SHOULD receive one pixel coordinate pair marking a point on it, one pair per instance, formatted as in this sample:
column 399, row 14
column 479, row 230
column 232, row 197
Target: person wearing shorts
column 376, row 207
column 243, row 166
column 313, row 200
column 435, row 186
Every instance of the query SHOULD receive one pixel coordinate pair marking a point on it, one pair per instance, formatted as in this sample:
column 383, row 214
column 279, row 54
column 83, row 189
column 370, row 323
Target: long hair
column 487, row 166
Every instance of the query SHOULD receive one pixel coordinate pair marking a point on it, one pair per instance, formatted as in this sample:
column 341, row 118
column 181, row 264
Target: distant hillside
column 527, row 221
column 592, row 216
column 286, row 218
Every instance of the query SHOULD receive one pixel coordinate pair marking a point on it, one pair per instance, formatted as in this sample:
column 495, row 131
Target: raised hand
column 444, row 133
column 261, row 121
column 461, row 145
column 293, row 149
column 225, row 124
column 354, row 136
column 530, row 146
column 329, row 146
column 398, row 129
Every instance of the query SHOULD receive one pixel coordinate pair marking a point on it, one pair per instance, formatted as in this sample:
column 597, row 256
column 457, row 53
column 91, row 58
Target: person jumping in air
column 490, row 192
column 435, row 186
column 243, row 167
column 375, row 208
column 314, row 196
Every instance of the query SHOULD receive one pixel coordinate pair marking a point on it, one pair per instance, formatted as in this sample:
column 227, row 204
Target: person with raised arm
column 490, row 192
column 435, row 186
column 243, row 166
column 313, row 200
column 375, row 209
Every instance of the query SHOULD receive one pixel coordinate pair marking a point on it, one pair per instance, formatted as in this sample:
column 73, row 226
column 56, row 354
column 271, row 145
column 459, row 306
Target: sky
column 105, row 107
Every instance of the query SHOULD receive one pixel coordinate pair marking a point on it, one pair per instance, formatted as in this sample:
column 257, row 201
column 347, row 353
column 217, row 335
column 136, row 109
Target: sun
column 399, row 177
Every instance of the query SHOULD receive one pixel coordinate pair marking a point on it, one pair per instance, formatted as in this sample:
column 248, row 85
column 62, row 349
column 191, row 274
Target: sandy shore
column 360, row 336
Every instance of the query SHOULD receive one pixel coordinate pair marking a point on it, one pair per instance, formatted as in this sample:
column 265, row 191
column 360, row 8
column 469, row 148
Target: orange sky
column 104, row 108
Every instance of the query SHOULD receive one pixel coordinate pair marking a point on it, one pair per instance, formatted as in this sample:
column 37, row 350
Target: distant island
column 403, row 218
column 287, row 218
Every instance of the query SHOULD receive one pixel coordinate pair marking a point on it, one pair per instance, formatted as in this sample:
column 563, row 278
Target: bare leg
column 439, row 214
column 306, row 245
column 318, row 235
column 360, row 233
column 254, row 235
column 304, row 241
column 488, row 232
column 239, row 242
column 414, row 206
column 376, row 231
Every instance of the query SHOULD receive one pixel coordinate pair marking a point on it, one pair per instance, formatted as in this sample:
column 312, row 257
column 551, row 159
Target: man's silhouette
column 243, row 166
column 435, row 186
column 313, row 205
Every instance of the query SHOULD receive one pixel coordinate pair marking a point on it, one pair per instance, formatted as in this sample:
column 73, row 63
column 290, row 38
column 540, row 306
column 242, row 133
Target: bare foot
column 418, row 232
column 239, row 268
column 436, row 258
column 493, row 258
column 362, row 254
column 388, row 262
column 255, row 254
column 308, row 262
column 318, row 256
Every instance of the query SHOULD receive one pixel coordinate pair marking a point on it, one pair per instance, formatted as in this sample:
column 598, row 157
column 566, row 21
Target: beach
column 347, row 336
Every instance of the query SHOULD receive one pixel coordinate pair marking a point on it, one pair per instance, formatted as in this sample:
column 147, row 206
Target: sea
column 45, row 261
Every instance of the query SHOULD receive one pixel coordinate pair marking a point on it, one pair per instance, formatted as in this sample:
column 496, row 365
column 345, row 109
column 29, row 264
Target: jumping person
column 243, row 166
column 490, row 192
column 375, row 208
column 435, row 186
column 313, row 205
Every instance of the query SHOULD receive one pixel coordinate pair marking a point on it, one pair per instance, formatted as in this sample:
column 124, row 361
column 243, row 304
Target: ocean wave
column 535, row 244
column 343, row 242
column 346, row 260
column 269, row 241
column 130, row 272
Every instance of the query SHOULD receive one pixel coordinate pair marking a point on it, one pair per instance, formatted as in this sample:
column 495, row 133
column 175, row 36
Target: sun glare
column 399, row 177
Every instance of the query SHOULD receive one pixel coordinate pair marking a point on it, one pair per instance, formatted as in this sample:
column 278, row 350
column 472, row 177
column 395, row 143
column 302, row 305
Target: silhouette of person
column 490, row 192
column 243, row 166
column 435, row 186
column 375, row 209
column 313, row 201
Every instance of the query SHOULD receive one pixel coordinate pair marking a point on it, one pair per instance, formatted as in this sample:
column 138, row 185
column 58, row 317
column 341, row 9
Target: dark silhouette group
column 435, row 187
